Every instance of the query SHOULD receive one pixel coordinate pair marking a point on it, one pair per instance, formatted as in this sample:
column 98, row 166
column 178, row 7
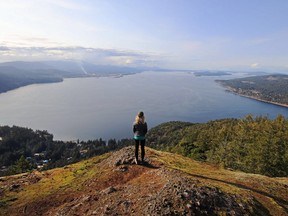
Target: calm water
column 89, row 108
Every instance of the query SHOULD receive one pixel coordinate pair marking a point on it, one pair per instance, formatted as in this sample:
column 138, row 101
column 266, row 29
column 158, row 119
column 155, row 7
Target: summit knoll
column 166, row 184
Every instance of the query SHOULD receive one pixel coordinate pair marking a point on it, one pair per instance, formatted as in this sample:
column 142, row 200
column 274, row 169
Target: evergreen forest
column 23, row 149
column 252, row 144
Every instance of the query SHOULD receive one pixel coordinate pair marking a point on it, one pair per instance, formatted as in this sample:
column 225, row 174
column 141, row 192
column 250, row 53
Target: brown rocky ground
column 165, row 184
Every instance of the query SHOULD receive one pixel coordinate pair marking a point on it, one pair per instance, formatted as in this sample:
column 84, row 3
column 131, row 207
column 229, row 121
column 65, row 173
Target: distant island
column 269, row 88
column 211, row 73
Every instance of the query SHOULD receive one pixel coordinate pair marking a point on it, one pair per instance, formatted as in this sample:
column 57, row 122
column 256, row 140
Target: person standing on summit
column 139, row 129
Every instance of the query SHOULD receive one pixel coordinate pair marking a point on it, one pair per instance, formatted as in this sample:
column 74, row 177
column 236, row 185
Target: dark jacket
column 140, row 129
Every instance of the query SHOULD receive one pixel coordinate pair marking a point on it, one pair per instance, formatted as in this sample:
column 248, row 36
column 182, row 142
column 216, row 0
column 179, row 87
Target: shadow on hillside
column 283, row 203
column 149, row 165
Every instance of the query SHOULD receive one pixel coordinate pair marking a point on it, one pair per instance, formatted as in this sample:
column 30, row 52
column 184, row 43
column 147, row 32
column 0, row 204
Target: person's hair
column 140, row 118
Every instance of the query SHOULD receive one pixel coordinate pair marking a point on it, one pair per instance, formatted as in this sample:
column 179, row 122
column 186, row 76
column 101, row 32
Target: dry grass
column 70, row 178
column 270, row 192
column 92, row 175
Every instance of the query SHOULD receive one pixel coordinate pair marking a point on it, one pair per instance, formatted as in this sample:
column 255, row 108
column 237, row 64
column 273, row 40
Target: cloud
column 122, row 60
column 78, row 53
column 66, row 4
column 254, row 65
column 3, row 48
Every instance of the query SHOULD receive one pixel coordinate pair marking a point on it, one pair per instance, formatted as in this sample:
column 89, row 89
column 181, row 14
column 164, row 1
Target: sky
column 176, row 34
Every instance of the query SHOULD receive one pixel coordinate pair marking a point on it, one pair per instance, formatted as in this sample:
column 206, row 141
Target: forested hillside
column 22, row 149
column 270, row 88
column 12, row 78
column 254, row 145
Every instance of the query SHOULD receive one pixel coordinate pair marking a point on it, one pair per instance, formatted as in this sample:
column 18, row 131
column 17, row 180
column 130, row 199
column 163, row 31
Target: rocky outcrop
column 121, row 187
column 158, row 190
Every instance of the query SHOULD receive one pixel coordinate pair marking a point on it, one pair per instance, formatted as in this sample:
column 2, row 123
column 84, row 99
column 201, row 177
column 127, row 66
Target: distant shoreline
column 63, row 78
column 28, row 84
column 229, row 89
column 265, row 101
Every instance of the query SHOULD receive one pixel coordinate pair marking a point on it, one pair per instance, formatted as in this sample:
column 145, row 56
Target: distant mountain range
column 18, row 73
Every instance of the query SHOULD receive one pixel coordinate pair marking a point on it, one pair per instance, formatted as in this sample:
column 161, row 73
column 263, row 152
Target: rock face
column 121, row 187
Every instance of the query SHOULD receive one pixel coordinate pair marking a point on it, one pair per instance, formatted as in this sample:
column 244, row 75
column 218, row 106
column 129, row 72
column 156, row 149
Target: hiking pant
column 142, row 143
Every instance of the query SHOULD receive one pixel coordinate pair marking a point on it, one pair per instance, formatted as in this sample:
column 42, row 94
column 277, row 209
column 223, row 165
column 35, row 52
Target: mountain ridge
column 20, row 73
column 167, row 184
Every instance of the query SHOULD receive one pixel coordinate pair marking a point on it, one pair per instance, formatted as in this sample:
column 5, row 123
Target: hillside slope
column 269, row 88
column 167, row 184
column 256, row 145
